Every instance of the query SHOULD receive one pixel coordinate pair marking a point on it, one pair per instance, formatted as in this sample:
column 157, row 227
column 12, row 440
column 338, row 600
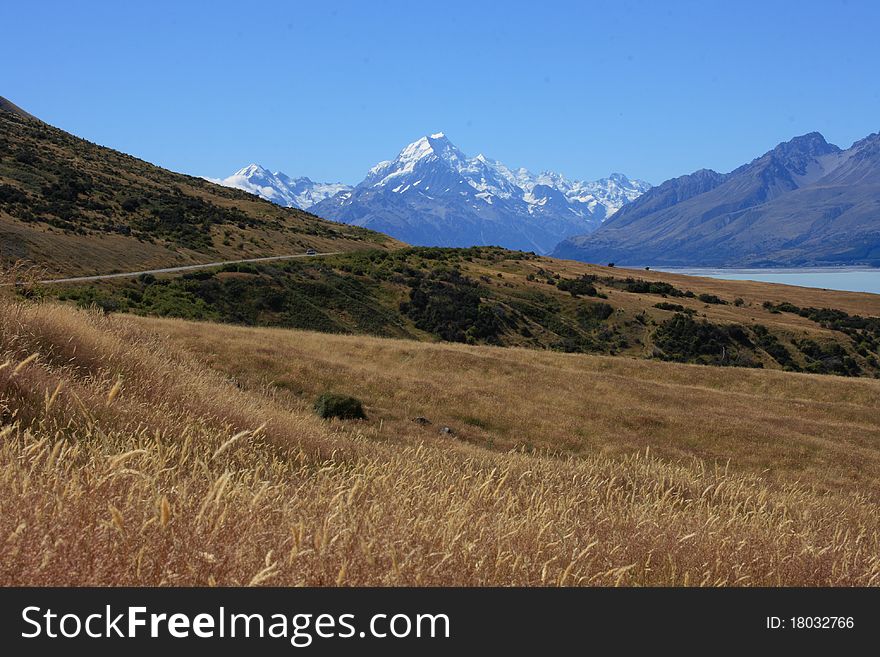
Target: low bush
column 344, row 407
column 711, row 298
column 578, row 286
column 675, row 307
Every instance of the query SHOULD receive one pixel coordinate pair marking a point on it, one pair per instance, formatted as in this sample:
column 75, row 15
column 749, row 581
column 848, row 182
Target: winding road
column 171, row 270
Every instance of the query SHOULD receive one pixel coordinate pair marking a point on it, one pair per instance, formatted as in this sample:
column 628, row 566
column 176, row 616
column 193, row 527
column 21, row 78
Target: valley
column 521, row 419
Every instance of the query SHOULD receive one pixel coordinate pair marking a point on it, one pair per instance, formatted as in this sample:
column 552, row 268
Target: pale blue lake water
column 851, row 280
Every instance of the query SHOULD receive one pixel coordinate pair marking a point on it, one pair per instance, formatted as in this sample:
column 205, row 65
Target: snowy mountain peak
column 280, row 188
column 436, row 144
column 433, row 194
column 420, row 154
column 253, row 170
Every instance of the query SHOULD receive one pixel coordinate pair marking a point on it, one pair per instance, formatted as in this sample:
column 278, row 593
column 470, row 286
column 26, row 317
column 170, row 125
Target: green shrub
column 579, row 286
column 450, row 306
column 685, row 340
column 675, row 307
column 639, row 286
column 770, row 343
column 829, row 358
column 343, row 407
column 592, row 313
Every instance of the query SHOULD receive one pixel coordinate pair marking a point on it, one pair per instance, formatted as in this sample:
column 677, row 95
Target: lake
column 840, row 278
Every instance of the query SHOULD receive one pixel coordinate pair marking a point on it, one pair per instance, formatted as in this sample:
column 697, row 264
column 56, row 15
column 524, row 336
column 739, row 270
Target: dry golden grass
column 126, row 459
column 788, row 427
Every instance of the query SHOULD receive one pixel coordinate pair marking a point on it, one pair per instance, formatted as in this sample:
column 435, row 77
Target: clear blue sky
column 652, row 89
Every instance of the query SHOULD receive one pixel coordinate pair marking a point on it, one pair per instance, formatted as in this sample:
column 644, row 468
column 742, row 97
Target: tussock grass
column 125, row 459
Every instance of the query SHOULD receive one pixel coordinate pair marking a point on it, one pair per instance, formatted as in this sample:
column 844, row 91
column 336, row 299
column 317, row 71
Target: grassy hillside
column 77, row 208
column 144, row 451
column 493, row 296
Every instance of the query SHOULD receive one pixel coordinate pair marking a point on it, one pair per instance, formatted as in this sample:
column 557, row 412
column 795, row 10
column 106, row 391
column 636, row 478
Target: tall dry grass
column 124, row 460
column 819, row 430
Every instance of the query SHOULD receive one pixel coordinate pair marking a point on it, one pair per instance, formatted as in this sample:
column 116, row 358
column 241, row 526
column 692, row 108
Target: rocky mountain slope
column 804, row 203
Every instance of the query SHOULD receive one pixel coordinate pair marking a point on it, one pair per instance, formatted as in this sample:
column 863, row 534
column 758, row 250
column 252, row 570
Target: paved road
column 171, row 270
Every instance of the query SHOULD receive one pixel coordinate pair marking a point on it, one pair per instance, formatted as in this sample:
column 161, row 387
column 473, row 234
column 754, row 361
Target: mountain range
column 804, row 203
column 280, row 188
column 432, row 194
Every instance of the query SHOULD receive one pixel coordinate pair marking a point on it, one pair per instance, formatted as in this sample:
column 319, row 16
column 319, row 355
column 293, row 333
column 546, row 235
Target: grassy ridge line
column 124, row 460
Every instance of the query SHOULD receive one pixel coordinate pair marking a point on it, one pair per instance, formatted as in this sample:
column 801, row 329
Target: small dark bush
column 342, row 406
column 665, row 305
column 578, row 286
column 639, row 286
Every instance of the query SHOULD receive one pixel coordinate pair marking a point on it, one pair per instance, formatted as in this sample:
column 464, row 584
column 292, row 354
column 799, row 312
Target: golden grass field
column 161, row 452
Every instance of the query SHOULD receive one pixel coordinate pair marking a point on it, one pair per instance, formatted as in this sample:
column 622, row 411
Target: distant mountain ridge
column 280, row 188
column 804, row 203
column 432, row 194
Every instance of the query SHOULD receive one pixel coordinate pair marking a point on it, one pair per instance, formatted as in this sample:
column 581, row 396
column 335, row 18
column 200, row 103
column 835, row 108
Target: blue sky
column 652, row 89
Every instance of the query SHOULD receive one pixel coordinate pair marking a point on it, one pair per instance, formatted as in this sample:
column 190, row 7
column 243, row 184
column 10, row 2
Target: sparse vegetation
column 456, row 295
column 639, row 286
column 711, row 298
column 674, row 307
column 582, row 286
column 770, row 343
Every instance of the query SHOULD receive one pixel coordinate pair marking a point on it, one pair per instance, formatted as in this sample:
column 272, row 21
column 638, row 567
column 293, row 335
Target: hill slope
column 76, row 208
column 130, row 455
column 493, row 296
column 804, row 203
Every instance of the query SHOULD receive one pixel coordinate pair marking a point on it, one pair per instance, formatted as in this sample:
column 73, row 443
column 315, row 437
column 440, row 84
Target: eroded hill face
column 492, row 296
column 74, row 207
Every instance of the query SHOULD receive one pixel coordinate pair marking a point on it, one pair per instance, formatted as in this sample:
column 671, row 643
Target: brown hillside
column 75, row 207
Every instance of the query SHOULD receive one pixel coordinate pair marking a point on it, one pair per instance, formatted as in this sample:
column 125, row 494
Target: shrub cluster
column 683, row 339
column 582, row 286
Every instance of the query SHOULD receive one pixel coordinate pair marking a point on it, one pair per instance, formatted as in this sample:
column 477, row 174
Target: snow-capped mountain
column 280, row 188
column 433, row 194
